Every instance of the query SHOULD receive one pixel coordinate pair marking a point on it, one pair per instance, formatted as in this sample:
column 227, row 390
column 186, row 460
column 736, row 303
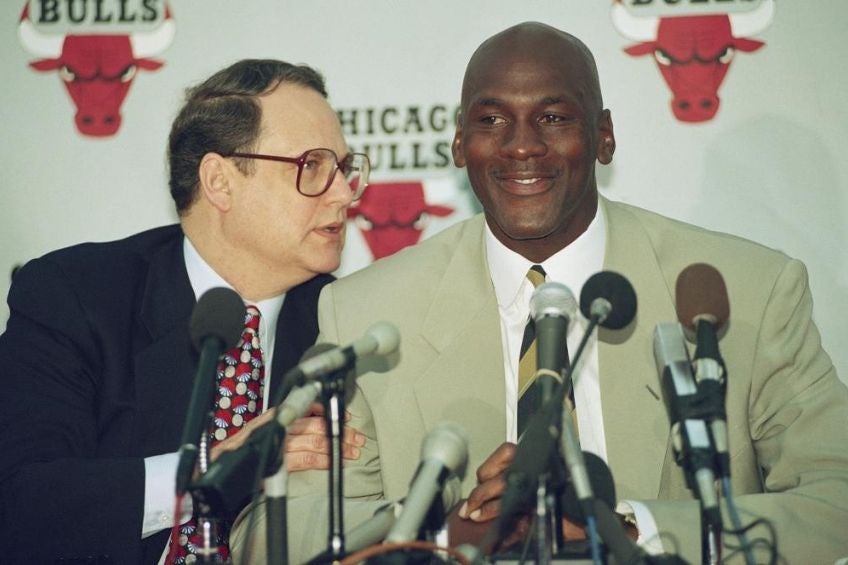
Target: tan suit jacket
column 787, row 410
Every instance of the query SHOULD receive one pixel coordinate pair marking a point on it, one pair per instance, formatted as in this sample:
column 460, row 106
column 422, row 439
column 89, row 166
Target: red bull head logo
column 98, row 69
column 693, row 52
column 392, row 216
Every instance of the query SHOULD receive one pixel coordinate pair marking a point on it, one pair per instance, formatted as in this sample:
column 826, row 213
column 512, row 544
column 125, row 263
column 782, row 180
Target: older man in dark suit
column 96, row 364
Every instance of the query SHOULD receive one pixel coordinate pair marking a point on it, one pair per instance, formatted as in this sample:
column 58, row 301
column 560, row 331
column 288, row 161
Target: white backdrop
column 766, row 167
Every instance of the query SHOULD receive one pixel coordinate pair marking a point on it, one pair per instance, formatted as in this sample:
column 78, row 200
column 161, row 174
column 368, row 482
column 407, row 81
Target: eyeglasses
column 316, row 169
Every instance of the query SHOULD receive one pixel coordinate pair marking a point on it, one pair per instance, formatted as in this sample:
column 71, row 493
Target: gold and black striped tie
column 529, row 399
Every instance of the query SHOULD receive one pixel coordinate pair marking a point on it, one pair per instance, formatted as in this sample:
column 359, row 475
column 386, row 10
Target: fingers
column 497, row 463
column 308, row 447
column 319, row 443
column 312, row 422
column 484, row 501
column 305, row 461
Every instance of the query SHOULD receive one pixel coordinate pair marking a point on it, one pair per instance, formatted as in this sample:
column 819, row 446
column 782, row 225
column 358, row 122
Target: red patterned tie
column 241, row 373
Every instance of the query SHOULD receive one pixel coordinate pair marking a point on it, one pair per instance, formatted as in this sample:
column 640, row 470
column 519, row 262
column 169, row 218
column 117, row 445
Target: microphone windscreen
column 701, row 294
column 447, row 443
column 218, row 313
column 386, row 336
column 552, row 299
column 617, row 291
column 603, row 488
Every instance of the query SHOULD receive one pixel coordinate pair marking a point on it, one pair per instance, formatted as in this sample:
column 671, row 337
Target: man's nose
column 340, row 190
column 523, row 141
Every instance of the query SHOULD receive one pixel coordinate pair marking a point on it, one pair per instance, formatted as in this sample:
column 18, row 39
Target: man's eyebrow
column 487, row 101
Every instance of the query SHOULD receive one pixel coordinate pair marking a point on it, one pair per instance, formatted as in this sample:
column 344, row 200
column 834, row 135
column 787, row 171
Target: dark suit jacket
column 96, row 371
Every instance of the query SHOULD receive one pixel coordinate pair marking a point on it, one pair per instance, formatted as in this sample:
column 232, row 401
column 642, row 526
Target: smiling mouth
column 525, row 184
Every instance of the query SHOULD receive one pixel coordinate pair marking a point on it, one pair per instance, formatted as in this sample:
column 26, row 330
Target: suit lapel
column 635, row 423
column 464, row 382
column 297, row 328
column 165, row 360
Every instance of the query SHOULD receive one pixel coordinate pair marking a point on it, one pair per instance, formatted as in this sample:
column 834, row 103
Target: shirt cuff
column 160, row 483
column 649, row 538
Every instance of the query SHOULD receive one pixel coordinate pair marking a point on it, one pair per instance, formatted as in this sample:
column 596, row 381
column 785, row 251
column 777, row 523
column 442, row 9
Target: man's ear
column 606, row 138
column 214, row 178
column 456, row 146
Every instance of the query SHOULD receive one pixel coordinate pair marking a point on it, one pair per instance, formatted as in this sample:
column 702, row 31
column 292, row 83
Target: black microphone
column 600, row 485
column 381, row 338
column 444, row 451
column 216, row 325
column 608, row 298
column 552, row 306
column 703, row 308
column 693, row 449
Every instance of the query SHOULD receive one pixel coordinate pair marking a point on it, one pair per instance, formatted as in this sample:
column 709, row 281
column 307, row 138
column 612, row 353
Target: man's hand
column 484, row 501
column 484, row 505
column 307, row 446
column 475, row 515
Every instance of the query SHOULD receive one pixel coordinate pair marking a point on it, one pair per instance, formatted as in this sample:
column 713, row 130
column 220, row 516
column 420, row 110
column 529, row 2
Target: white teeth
column 526, row 181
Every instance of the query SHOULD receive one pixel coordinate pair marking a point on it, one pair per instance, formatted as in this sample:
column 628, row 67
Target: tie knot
column 536, row 274
column 251, row 318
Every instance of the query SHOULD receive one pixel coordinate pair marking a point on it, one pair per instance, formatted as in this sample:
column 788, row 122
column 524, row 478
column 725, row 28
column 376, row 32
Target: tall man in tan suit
column 531, row 128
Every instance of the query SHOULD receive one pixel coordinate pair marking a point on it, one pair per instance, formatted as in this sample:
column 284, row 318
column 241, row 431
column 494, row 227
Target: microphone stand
column 276, row 524
column 333, row 398
column 550, row 539
column 205, row 522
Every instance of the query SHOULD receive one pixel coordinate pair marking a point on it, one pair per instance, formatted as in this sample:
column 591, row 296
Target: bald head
column 541, row 44
column 531, row 128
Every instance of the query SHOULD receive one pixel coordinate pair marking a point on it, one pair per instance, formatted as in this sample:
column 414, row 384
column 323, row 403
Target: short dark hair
column 222, row 115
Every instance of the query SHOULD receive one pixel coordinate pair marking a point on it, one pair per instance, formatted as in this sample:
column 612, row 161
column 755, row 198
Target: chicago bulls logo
column 693, row 52
column 392, row 216
column 97, row 69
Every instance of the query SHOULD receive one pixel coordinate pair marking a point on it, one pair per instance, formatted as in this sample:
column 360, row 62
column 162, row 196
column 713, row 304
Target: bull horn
column 152, row 43
column 746, row 24
column 634, row 27
column 40, row 44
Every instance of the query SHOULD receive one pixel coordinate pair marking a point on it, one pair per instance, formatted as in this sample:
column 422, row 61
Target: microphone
column 598, row 483
column 444, row 451
column 609, row 299
column 368, row 533
column 216, row 325
column 552, row 306
column 382, row 338
column 693, row 449
column 703, row 308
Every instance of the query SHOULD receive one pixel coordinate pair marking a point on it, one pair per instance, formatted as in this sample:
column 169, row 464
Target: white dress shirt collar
column 202, row 277
column 571, row 266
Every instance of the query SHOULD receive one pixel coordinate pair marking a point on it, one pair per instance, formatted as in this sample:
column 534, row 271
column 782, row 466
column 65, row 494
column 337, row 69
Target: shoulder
column 98, row 271
column 678, row 244
column 422, row 262
column 137, row 247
